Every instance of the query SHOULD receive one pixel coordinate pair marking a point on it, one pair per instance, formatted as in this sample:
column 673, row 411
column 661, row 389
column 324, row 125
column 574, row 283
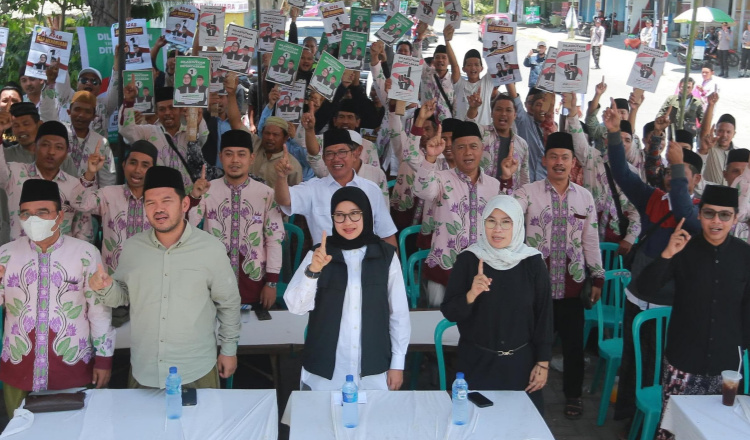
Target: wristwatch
column 271, row 284
column 310, row 274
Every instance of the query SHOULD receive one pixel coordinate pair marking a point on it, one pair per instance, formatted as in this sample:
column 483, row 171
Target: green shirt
column 176, row 295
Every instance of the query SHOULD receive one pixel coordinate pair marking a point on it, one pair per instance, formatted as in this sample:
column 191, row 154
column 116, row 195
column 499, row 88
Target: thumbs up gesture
column 100, row 280
column 509, row 165
column 320, row 258
column 201, row 185
column 94, row 164
column 480, row 284
column 283, row 166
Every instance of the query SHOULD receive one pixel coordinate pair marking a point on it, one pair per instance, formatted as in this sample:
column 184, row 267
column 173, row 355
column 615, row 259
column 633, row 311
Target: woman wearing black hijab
column 353, row 287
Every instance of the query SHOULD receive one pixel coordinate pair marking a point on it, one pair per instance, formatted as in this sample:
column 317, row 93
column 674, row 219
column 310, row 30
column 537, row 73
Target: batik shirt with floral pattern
column 247, row 220
column 458, row 208
column 12, row 177
column 56, row 330
column 490, row 162
column 563, row 227
column 122, row 216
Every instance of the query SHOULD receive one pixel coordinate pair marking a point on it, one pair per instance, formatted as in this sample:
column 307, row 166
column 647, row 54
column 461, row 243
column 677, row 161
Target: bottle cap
column 349, row 378
column 172, row 370
column 459, row 375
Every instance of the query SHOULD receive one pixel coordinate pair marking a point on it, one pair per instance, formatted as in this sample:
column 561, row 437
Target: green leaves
column 62, row 346
column 73, row 313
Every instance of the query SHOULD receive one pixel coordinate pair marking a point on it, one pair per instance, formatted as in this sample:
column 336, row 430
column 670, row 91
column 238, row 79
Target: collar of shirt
column 129, row 194
column 331, row 181
column 549, row 188
column 183, row 238
column 239, row 187
column 34, row 172
column 56, row 245
column 701, row 241
column 466, row 178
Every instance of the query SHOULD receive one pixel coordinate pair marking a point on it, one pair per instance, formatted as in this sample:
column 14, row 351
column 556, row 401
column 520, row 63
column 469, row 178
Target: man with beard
column 273, row 138
column 242, row 213
column 179, row 283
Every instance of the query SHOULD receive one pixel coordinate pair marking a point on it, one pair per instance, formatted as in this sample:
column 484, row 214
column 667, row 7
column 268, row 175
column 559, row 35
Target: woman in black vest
column 353, row 287
column 499, row 294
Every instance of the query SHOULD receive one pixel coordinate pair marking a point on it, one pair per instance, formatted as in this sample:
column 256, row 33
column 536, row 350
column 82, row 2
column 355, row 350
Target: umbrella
column 705, row 15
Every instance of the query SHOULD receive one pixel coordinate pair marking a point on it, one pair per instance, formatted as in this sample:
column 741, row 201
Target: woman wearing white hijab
column 499, row 295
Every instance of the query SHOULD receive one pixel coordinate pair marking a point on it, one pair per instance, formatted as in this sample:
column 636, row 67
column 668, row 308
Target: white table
column 420, row 415
column 140, row 414
column 288, row 329
column 705, row 418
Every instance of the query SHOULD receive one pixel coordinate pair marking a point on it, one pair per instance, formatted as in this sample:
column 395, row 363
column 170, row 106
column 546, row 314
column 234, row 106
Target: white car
column 307, row 27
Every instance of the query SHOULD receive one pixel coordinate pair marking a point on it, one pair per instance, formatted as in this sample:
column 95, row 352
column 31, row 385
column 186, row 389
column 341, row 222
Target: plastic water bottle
column 349, row 397
column 174, row 394
column 460, row 400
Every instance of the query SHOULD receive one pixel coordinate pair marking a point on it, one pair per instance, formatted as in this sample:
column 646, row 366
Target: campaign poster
column 572, row 67
column 647, row 69
column 239, row 49
column 212, row 25
column 427, row 10
column 191, row 81
column 359, row 20
column 352, row 49
column 3, row 45
column 137, row 51
column 271, row 29
column 546, row 80
column 327, row 75
column 335, row 20
column 181, row 23
column 394, row 28
column 217, row 75
column 499, row 33
column 144, row 81
column 392, row 7
column 291, row 102
column 49, row 47
column 406, row 75
column 453, row 13
column 284, row 62
column 503, row 67
column 531, row 15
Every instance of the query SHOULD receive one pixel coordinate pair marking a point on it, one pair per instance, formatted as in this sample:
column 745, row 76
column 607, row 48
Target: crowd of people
column 512, row 206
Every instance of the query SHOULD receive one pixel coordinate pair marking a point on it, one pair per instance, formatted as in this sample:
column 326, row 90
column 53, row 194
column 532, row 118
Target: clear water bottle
column 174, row 394
column 460, row 400
column 349, row 398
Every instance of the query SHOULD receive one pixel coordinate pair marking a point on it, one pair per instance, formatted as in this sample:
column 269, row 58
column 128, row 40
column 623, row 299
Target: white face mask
column 37, row 228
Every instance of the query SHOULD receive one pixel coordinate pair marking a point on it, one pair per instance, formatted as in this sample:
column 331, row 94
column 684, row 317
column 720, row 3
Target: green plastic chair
column 439, row 330
column 296, row 232
column 610, row 261
column 610, row 348
column 745, row 360
column 402, row 247
column 391, row 183
column 414, row 276
column 648, row 399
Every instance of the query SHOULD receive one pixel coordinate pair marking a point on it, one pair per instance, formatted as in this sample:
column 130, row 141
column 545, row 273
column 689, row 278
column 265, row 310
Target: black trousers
column 723, row 61
column 596, row 51
column 625, row 405
column 568, row 322
column 745, row 61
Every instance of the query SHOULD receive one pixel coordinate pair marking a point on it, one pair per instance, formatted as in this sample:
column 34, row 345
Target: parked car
column 491, row 18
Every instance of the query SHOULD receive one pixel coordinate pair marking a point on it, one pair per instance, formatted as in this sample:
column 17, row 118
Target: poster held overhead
column 352, row 50
column 546, row 80
column 217, row 75
column 284, row 62
column 572, row 67
column 453, row 13
column 394, row 28
column 181, row 23
column 212, row 25
column 144, row 82
column 137, row 51
column 335, row 20
column 500, row 32
column 427, row 10
column 239, row 49
column 49, row 47
column 327, row 75
column 647, row 69
column 406, row 75
column 359, row 20
column 291, row 101
column 502, row 65
column 191, row 86
column 271, row 29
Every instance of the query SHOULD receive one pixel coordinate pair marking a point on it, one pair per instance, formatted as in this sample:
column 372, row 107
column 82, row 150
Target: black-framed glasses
column 340, row 217
column 92, row 81
column 505, row 224
column 724, row 216
column 341, row 154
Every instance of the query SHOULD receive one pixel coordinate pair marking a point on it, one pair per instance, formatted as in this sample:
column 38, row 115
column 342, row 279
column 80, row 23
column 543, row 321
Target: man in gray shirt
column 722, row 50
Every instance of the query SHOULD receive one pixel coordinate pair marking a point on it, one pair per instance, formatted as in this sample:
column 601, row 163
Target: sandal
column 573, row 408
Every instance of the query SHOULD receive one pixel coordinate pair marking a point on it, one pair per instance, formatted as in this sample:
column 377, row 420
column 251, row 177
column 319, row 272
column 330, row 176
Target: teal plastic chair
column 745, row 360
column 439, row 330
column 291, row 231
column 411, row 230
column 414, row 278
column 610, row 348
column 391, row 183
column 648, row 400
column 230, row 380
column 610, row 261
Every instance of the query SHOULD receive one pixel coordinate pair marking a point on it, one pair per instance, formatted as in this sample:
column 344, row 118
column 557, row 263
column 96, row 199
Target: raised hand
column 266, row 59
column 283, row 167
column 388, row 85
column 475, row 99
column 308, row 119
column 509, row 165
column 612, row 118
column 709, row 139
column 376, row 49
column 427, row 110
column 161, row 41
column 273, row 96
column 421, row 29
column 94, row 164
column 713, row 98
column 52, row 71
column 435, row 146
column 100, row 279
column 139, row 118
column 448, row 33
column 320, row 258
column 5, row 121
column 230, row 83
column 601, row 87
column 569, row 101
column 674, row 153
column 677, row 241
column 292, row 130
column 635, row 101
column 480, row 284
column 201, row 185
column 130, row 91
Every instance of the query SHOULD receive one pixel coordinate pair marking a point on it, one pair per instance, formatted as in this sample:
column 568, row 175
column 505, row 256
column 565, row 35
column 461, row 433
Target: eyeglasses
column 724, row 216
column 341, row 154
column 42, row 213
column 92, row 81
column 505, row 224
column 340, row 217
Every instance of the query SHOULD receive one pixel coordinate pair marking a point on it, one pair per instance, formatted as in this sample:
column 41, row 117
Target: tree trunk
column 104, row 12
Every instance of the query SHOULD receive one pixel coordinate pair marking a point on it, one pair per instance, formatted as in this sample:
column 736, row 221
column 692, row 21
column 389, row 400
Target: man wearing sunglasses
column 711, row 311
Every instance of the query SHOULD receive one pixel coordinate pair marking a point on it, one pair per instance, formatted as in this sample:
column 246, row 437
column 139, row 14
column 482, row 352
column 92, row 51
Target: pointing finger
column 481, row 267
column 512, row 149
column 679, row 225
column 203, row 172
column 97, row 149
column 132, row 78
column 323, row 242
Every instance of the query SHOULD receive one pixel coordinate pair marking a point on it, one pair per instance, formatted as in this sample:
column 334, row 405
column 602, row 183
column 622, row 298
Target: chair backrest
column 402, row 245
column 746, row 378
column 610, row 260
column 391, row 183
column 615, row 282
column 660, row 316
column 439, row 329
column 296, row 231
column 414, row 276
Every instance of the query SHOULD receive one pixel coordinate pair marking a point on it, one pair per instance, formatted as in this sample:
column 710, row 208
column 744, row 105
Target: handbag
column 629, row 258
column 54, row 402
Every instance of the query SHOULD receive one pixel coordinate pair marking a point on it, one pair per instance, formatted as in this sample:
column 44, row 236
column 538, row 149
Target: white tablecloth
column 140, row 414
column 419, row 415
column 705, row 418
column 287, row 328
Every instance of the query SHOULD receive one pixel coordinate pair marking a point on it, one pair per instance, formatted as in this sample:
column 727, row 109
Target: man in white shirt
column 597, row 40
column 647, row 34
column 313, row 198
column 463, row 88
